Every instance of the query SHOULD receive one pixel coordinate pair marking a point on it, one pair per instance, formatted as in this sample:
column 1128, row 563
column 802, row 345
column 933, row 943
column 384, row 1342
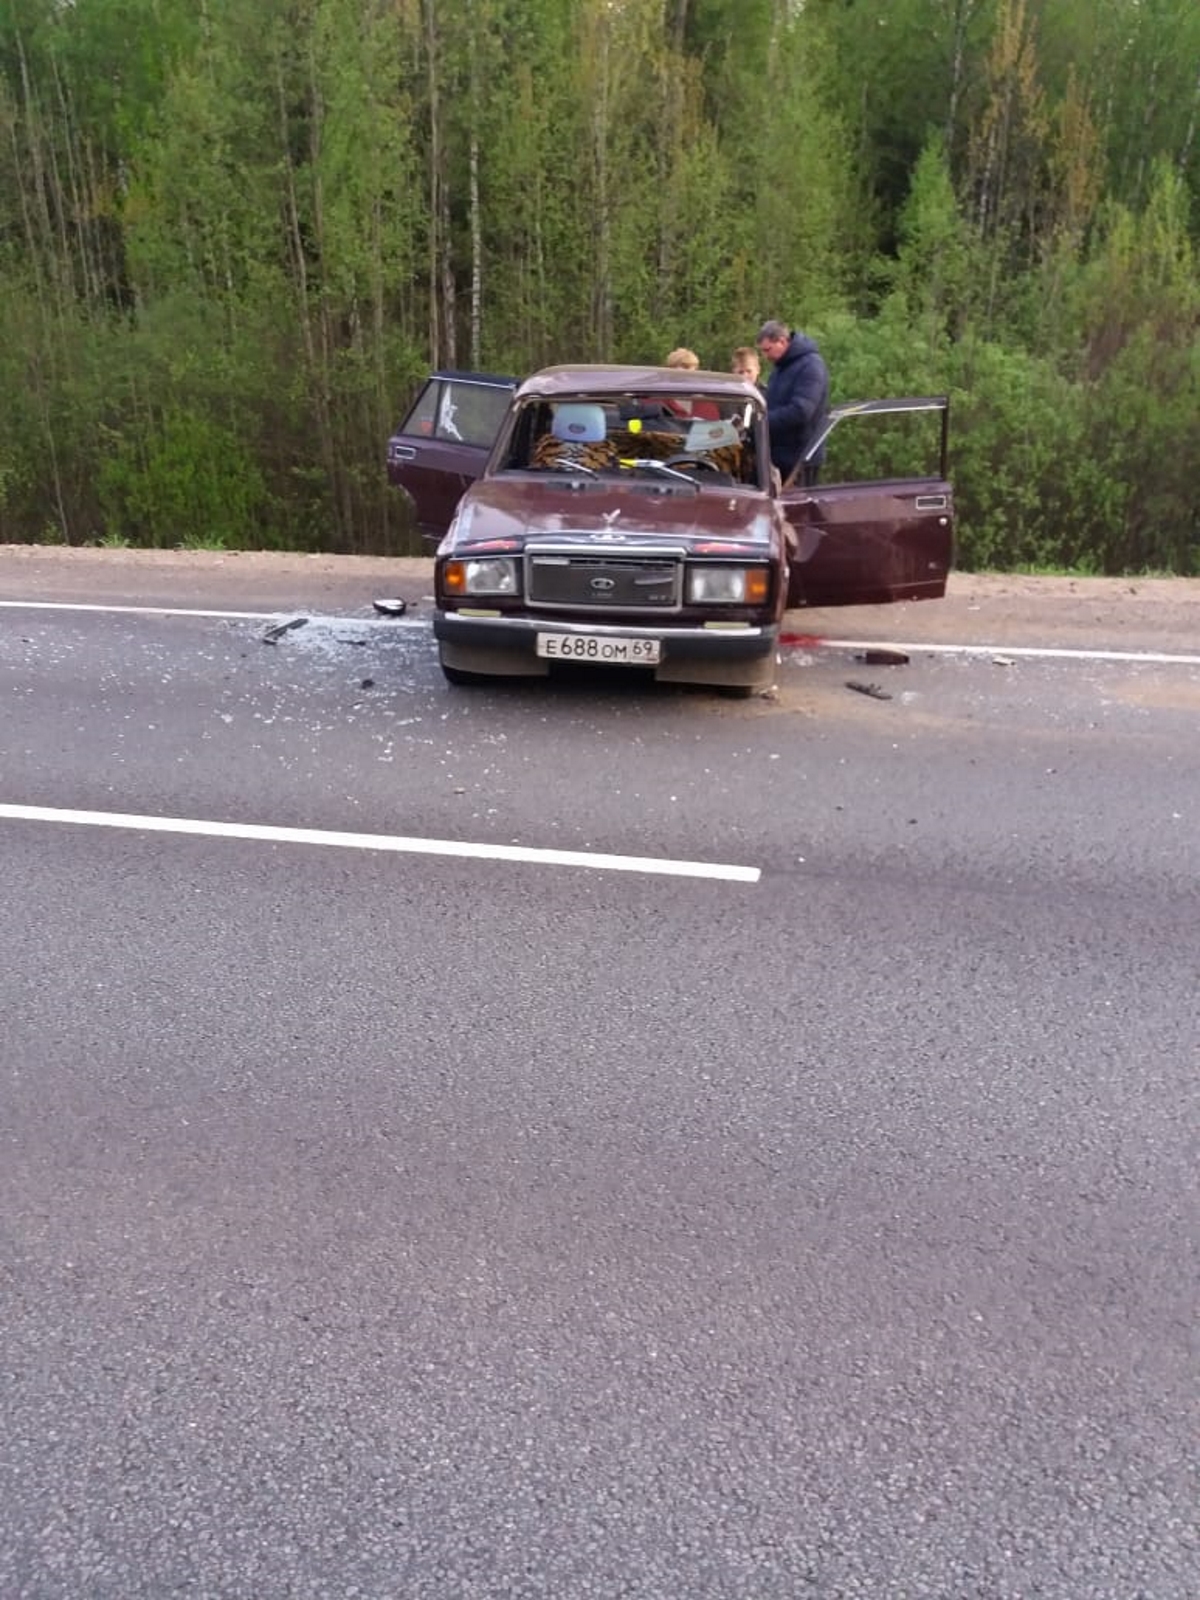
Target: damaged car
column 629, row 516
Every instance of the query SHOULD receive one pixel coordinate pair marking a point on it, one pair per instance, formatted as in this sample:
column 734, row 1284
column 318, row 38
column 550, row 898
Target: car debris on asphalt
column 871, row 689
column 880, row 657
column 273, row 635
column 390, row 607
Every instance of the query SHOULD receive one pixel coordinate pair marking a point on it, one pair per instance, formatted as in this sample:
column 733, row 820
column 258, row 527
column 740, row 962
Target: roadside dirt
column 983, row 608
column 1007, row 609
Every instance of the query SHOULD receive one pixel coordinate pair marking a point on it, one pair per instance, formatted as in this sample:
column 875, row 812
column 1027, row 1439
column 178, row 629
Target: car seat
column 579, row 424
column 578, row 434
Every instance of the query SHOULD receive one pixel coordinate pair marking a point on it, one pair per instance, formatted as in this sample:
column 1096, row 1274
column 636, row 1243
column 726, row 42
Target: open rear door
column 443, row 444
column 885, row 530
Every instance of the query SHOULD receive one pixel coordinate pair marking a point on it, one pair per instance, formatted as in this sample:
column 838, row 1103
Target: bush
column 192, row 483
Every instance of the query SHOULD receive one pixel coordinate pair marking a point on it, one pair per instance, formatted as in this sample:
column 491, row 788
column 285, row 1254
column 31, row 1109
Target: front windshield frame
column 728, row 429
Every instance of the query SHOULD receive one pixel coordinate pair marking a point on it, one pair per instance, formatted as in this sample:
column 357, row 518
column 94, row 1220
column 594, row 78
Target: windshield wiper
column 638, row 462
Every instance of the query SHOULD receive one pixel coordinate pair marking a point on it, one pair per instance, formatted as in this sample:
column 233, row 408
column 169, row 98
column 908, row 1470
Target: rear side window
column 458, row 412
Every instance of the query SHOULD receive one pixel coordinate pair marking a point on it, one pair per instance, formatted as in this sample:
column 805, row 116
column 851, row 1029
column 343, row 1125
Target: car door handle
column 403, row 452
column 930, row 502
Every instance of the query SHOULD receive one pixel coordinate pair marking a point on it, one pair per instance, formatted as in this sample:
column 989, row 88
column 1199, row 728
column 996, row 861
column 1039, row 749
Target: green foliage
column 189, row 482
column 1028, row 492
column 1139, row 63
column 805, row 237
column 234, row 237
column 940, row 261
column 1144, row 422
column 904, row 71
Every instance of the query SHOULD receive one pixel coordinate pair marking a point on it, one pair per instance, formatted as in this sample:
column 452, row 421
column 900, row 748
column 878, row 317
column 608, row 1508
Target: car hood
column 517, row 509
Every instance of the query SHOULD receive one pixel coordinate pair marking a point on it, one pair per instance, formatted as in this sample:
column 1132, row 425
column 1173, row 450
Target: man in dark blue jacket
column 797, row 397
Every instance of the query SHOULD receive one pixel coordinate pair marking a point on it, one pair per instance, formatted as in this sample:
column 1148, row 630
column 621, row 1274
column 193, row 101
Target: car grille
column 624, row 582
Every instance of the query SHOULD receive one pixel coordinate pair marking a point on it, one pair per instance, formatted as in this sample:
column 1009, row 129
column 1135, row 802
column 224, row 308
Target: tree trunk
column 442, row 309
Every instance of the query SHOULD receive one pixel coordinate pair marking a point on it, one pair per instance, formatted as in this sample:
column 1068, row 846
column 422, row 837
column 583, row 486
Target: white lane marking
column 1154, row 657
column 387, row 842
column 233, row 616
column 801, row 642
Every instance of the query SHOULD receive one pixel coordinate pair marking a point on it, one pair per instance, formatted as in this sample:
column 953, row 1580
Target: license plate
column 605, row 650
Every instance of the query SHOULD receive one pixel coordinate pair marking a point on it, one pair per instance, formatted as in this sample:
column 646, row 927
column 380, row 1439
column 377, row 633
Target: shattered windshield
column 689, row 440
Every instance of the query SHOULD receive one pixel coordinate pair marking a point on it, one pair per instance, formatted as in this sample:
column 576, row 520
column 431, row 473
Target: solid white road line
column 233, row 616
column 148, row 611
column 799, row 642
column 386, row 842
column 1032, row 652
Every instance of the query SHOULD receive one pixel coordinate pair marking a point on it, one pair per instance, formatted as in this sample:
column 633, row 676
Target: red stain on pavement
column 801, row 641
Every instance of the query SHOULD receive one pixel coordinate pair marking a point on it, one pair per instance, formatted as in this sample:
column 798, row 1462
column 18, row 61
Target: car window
column 471, row 413
column 880, row 446
column 457, row 411
column 420, row 418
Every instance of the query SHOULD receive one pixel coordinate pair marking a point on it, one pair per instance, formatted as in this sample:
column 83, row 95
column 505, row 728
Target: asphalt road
column 387, row 1224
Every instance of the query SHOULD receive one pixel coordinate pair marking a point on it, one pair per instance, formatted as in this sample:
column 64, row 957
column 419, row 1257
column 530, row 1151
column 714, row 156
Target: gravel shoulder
column 980, row 608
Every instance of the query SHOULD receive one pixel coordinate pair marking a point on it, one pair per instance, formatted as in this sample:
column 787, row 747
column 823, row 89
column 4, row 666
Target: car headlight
column 486, row 575
column 733, row 586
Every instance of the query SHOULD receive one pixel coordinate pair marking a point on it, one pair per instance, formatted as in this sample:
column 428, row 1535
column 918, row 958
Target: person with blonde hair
column 685, row 360
column 746, row 364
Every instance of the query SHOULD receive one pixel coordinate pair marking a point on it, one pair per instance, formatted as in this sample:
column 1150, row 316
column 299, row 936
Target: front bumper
column 733, row 654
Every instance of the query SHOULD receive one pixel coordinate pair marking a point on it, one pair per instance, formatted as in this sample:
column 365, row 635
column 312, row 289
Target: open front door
column 443, row 444
column 883, row 531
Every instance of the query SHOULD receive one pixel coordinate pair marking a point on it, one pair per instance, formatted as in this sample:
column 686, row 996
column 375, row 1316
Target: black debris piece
column 367, row 683
column 390, row 607
column 273, row 635
column 883, row 658
column 872, row 689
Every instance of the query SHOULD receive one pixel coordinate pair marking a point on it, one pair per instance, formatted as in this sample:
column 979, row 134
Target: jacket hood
column 798, row 345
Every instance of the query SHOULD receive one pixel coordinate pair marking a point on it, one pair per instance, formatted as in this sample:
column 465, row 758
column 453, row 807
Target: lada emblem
column 603, row 584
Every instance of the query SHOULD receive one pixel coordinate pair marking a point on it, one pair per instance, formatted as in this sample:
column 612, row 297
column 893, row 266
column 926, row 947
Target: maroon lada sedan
column 630, row 516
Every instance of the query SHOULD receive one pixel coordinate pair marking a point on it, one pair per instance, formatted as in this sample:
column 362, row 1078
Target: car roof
column 604, row 379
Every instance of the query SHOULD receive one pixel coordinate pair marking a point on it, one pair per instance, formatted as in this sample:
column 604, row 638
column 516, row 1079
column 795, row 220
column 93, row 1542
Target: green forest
column 235, row 235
